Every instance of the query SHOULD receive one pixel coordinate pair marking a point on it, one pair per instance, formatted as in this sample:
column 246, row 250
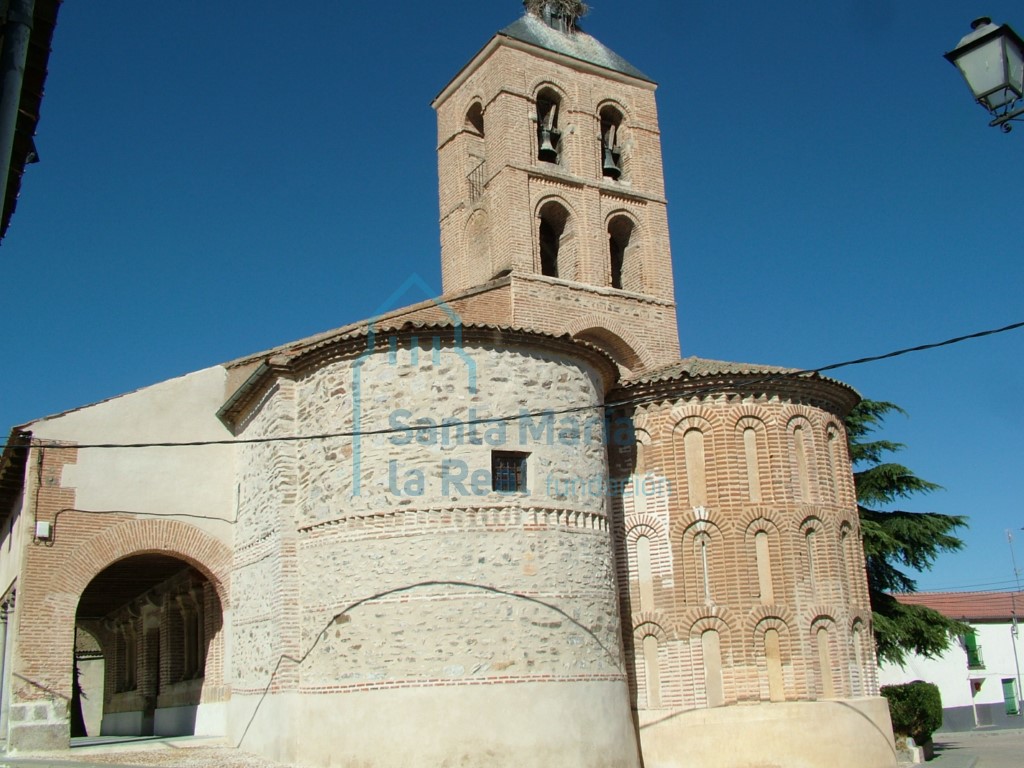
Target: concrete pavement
column 980, row 748
column 971, row 749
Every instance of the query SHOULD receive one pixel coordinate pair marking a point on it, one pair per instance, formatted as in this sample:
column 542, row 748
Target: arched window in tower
column 549, row 134
column 553, row 238
column 702, row 557
column 753, row 464
column 696, row 473
column 475, row 119
column 652, row 672
column 828, row 687
column 773, row 658
column 622, row 246
column 811, row 543
column 476, row 155
column 857, row 673
column 611, row 149
column 800, row 452
column 764, row 568
column 644, row 573
column 834, row 461
column 711, row 645
column 852, row 561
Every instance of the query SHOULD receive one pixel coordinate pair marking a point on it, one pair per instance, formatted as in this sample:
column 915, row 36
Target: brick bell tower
column 551, row 182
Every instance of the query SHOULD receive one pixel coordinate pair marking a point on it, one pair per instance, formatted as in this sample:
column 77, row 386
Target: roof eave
column 30, row 98
column 12, row 469
column 500, row 39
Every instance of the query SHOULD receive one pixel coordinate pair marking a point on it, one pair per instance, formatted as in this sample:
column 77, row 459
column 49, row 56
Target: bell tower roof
column 561, row 35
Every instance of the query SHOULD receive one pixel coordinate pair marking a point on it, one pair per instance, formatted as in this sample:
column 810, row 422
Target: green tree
column 895, row 540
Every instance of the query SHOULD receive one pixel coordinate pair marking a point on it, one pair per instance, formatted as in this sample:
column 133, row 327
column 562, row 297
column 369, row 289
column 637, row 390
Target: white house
column 979, row 676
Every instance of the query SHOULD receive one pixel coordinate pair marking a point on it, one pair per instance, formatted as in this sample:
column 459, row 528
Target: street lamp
column 991, row 59
column 1014, row 628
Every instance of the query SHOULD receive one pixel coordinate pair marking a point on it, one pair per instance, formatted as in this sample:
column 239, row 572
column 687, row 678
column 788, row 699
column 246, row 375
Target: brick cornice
column 812, row 389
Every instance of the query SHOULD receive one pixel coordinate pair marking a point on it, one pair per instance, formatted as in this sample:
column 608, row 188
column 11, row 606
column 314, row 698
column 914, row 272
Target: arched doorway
column 153, row 617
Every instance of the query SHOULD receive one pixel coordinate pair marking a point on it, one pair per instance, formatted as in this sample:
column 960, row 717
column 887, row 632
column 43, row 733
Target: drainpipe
column 4, row 610
column 17, row 31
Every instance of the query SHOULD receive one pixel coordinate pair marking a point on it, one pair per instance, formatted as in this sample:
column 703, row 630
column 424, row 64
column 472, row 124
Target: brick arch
column 614, row 338
column 848, row 519
column 823, row 617
column 653, row 623
column 545, row 81
column 138, row 537
column 815, row 518
column 568, row 261
column 644, row 420
column 645, row 525
column 627, row 115
column 758, row 514
column 688, row 522
column 751, row 411
column 794, row 411
column 693, row 413
column 769, row 617
column 711, row 620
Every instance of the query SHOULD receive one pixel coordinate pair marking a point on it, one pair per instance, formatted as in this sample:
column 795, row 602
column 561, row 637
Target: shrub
column 916, row 709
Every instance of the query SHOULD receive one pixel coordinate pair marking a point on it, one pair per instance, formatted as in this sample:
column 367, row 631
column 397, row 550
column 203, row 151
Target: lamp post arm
column 1002, row 120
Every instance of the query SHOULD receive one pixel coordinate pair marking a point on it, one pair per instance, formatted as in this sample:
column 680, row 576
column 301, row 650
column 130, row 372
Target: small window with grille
column 508, row 471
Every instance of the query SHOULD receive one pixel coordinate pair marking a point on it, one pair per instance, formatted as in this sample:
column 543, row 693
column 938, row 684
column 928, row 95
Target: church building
column 505, row 526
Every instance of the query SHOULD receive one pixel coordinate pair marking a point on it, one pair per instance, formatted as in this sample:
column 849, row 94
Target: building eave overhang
column 501, row 39
column 13, row 461
column 367, row 338
column 733, row 379
column 44, row 21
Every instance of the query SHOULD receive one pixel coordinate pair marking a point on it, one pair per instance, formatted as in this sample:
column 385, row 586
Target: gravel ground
column 180, row 757
column 150, row 755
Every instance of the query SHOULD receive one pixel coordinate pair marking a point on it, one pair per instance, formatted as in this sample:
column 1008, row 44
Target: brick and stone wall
column 386, row 563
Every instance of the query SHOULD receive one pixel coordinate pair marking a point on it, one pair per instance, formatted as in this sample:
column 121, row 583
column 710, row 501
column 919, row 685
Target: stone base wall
column 855, row 733
column 533, row 725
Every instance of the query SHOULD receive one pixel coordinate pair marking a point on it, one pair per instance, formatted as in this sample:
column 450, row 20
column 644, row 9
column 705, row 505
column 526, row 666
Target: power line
column 968, row 587
column 710, row 389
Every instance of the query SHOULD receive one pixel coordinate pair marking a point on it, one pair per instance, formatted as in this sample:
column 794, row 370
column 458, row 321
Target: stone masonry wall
column 410, row 569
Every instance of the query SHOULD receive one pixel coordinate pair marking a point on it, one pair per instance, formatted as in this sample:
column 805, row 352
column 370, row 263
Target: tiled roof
column 576, row 44
column 699, row 367
column 971, row 606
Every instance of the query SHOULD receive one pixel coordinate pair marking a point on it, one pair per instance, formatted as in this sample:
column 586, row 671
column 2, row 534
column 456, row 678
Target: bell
column 611, row 168
column 547, row 151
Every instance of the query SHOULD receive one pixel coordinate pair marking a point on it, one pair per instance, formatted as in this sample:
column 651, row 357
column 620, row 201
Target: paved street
column 975, row 749
column 176, row 752
column 979, row 749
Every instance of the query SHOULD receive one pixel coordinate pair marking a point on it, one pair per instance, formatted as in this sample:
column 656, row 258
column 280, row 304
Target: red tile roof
column 972, row 606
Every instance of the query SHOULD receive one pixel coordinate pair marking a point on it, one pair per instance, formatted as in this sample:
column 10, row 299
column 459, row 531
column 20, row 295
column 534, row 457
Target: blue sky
column 219, row 178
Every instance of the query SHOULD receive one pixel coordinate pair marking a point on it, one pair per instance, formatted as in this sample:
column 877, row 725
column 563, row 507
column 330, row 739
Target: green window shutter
column 974, row 660
column 1010, row 696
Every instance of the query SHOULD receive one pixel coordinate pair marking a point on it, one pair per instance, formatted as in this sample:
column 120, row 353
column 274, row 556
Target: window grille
column 476, row 182
column 508, row 471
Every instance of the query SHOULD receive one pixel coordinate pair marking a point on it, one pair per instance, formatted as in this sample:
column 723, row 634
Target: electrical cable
column 641, row 400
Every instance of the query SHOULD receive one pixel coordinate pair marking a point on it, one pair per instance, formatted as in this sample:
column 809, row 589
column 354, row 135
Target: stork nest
column 572, row 9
